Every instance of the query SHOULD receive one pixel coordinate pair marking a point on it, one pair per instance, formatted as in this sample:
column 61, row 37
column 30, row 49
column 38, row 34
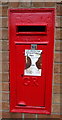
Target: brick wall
column 4, row 52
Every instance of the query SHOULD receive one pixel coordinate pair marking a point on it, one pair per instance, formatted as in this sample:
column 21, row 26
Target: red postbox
column 31, row 35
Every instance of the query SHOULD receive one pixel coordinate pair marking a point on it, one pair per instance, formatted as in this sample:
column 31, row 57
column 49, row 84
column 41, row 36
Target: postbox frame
column 48, row 92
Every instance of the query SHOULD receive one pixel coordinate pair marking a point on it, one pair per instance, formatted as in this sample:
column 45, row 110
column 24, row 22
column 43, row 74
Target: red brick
column 48, row 116
column 0, row 45
column 5, row 45
column 5, row 67
column 58, row 34
column 0, row 96
column 5, row 77
column 61, row 45
column 0, row 66
column 0, row 114
column 0, row 56
column 59, row 9
column 0, row 105
column 16, row 115
column 13, row 4
column 5, row 105
column 58, row 57
column 0, row 77
column 56, row 89
column 50, row 4
column 25, row 4
column 0, row 3
column 0, row 10
column 5, row 86
column 38, row 4
column 26, row 115
column 5, row 96
column 11, row 115
column 56, row 98
column 57, row 68
column 4, row 22
column 58, row 21
column 0, row 34
column 61, row 99
column 0, row 86
column 0, row 22
column 57, row 78
column 58, row 45
column 5, row 56
column 5, row 10
column 6, row 114
column 56, row 108
column 5, row 34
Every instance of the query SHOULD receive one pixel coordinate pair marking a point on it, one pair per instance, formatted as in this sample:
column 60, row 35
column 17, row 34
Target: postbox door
column 30, row 89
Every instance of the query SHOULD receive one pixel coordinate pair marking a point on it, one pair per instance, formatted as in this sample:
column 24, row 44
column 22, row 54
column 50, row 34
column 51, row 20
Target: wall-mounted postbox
column 31, row 35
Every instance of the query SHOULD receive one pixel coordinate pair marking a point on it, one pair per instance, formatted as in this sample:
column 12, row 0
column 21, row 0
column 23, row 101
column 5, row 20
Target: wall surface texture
column 4, row 58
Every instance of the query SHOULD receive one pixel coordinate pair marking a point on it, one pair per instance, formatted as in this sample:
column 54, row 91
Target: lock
column 34, row 46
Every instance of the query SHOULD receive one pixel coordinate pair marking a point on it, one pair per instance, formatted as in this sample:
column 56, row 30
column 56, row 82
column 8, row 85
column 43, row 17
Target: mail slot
column 31, row 38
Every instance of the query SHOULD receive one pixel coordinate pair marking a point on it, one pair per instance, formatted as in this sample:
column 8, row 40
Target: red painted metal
column 32, row 94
